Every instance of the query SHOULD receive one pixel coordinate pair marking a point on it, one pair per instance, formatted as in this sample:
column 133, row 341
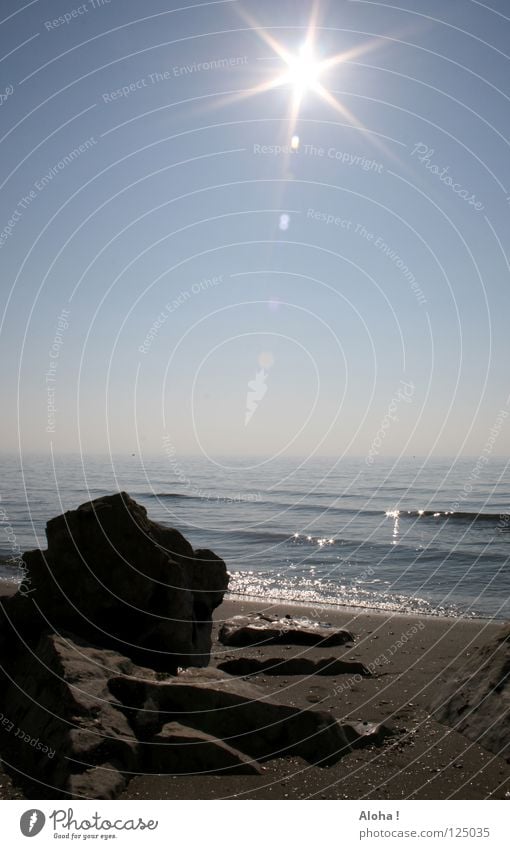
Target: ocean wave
column 450, row 515
column 255, row 499
column 10, row 575
column 136, row 495
column 208, row 498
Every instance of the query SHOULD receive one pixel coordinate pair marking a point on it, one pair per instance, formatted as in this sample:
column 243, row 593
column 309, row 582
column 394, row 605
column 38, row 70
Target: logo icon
column 32, row 822
column 257, row 388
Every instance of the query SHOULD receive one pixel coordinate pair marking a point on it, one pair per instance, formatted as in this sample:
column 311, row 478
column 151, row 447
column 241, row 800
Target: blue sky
column 162, row 236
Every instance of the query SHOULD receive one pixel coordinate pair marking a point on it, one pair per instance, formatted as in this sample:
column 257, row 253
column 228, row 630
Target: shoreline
column 332, row 606
column 9, row 588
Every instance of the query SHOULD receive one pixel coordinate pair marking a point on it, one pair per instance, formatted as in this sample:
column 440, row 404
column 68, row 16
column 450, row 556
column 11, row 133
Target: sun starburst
column 303, row 69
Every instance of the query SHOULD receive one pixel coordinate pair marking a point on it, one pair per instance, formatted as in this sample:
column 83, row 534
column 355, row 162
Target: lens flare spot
column 266, row 359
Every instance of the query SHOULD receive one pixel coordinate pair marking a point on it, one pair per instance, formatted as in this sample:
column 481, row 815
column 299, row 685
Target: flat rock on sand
column 237, row 712
column 258, row 629
column 179, row 749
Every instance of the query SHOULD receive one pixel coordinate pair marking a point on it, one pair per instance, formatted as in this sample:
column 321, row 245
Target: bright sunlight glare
column 304, row 70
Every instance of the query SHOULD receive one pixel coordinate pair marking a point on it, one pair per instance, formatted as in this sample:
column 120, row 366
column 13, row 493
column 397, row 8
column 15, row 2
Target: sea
column 409, row 535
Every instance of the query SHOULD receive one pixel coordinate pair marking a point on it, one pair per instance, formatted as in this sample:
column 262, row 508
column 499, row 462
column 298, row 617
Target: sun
column 303, row 71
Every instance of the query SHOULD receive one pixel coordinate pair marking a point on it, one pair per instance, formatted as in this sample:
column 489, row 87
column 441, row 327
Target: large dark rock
column 233, row 710
column 61, row 699
column 76, row 736
column 256, row 629
column 100, row 719
column 99, row 654
column 113, row 576
column 476, row 701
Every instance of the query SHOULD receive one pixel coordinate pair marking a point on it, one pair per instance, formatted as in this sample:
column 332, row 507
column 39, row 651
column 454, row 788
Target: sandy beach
column 409, row 659
column 422, row 760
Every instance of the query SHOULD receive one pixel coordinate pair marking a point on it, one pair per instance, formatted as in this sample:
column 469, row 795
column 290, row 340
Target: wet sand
column 7, row 588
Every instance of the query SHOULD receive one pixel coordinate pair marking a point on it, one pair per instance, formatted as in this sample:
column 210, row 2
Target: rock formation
column 476, row 701
column 113, row 576
column 102, row 654
column 258, row 629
